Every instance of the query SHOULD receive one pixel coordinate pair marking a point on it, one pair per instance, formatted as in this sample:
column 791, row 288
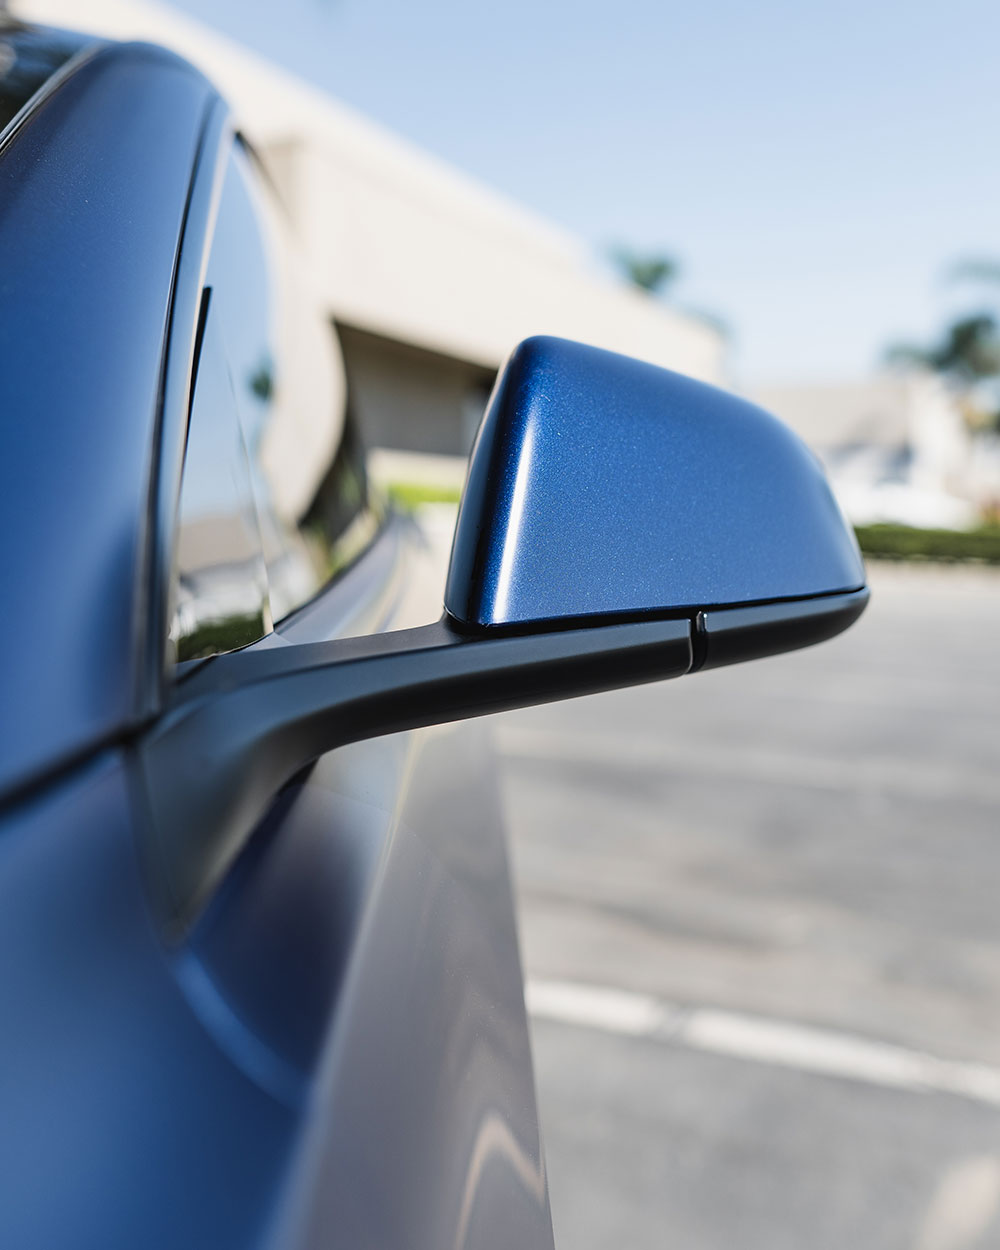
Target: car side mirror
column 620, row 524
column 604, row 489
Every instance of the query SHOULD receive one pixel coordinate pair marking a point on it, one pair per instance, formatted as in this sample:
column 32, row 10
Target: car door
column 358, row 962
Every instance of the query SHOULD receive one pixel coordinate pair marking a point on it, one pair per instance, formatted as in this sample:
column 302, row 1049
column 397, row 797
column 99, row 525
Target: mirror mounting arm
column 243, row 725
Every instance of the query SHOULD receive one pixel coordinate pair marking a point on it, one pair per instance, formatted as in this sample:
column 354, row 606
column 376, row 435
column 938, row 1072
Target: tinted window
column 220, row 592
column 272, row 458
column 306, row 466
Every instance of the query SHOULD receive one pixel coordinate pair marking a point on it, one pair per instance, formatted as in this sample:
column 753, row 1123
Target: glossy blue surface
column 600, row 485
column 93, row 188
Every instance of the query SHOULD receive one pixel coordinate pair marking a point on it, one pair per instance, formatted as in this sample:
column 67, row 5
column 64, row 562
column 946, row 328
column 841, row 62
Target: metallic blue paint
column 124, row 1123
column 337, row 1053
column 93, row 188
column 601, row 486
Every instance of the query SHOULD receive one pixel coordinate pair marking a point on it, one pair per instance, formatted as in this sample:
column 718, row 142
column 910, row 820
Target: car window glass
column 288, row 380
column 220, row 586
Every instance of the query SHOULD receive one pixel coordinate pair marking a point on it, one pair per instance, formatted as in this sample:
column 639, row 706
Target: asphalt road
column 788, row 877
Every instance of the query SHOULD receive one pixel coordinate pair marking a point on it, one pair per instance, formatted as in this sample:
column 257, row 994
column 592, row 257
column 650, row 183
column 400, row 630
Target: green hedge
column 410, row 495
column 902, row 542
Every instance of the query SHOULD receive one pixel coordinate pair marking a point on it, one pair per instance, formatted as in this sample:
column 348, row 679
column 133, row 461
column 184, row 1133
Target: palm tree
column 967, row 352
column 650, row 272
column 976, row 269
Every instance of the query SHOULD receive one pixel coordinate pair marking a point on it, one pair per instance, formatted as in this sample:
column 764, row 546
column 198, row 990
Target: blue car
column 258, row 954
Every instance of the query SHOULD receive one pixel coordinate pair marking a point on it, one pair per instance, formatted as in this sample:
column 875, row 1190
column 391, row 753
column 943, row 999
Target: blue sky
column 815, row 167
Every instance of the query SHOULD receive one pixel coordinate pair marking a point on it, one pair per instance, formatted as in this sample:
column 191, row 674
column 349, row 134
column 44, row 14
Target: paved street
column 792, row 871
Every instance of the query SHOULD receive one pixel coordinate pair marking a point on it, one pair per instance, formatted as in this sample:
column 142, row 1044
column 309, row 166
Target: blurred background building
column 896, row 447
column 430, row 277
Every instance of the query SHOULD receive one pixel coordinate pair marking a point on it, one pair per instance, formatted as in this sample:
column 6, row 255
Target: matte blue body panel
column 123, row 1123
column 611, row 487
column 93, row 188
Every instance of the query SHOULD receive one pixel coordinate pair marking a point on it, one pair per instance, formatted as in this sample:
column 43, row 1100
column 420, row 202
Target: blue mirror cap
column 601, row 486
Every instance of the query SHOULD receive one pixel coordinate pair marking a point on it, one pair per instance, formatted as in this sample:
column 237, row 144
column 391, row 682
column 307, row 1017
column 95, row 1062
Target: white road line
column 756, row 1039
column 595, row 1007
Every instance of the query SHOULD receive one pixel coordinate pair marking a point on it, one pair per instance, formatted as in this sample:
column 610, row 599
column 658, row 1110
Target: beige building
column 430, row 277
